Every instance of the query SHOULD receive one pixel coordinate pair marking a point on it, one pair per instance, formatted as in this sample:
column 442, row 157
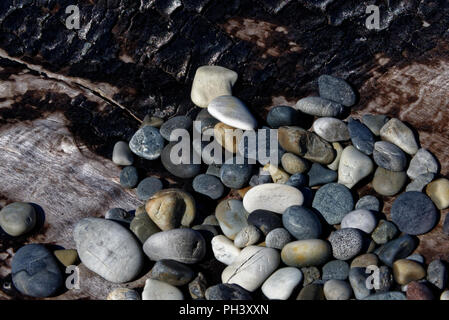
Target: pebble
column 305, row 253
column 293, row 164
column 182, row 245
column 206, row 230
column 365, row 260
column 122, row 154
column 396, row 249
column 235, row 176
column 211, row 220
column 277, row 175
column 361, row 137
column 228, row 137
column 391, row 295
column 260, row 178
column 437, row 274
column 416, row 257
column 406, row 271
column 158, row 290
column 346, row 243
column 148, row 187
column 224, row 250
column 171, row 208
column 143, row 227
column 35, row 271
column 319, row 175
column 231, row 216
column 151, row 121
column 336, row 270
column 385, row 279
column 279, row 116
column 336, row 89
column 231, row 111
column 298, row 180
column 388, row 183
column 277, row 238
column 147, row 143
column 302, row 223
column 224, row 291
column 375, row 122
column 335, row 289
column 249, row 235
column 265, row 221
column 331, row 129
column 419, row 291
column 213, row 170
column 67, row 257
column 353, row 167
column 338, row 151
column 423, row 162
column 438, row 191
column 17, row 218
column 319, row 107
column 119, row 215
column 445, row 295
column 272, row 197
column 178, row 122
column 311, row 275
column 311, row 292
column 414, row 213
column 172, row 272
column 180, row 170
column 123, row 294
column 389, row 156
column 306, row 144
column 252, row 267
column 368, row 203
column 357, row 279
column 396, row 132
column 384, row 232
column 108, row 249
column 129, row 177
column 210, row 82
column 361, row 219
column 280, row 285
column 333, row 201
column 208, row 185
column 197, row 288
column 420, row 182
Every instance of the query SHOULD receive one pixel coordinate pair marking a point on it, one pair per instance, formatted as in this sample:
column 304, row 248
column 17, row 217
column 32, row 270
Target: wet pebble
column 235, row 176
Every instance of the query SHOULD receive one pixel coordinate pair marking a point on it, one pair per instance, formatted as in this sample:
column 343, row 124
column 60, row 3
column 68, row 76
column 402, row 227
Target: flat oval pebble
column 119, row 215
column 208, row 185
column 301, row 222
column 147, row 143
column 368, row 202
column 249, row 235
column 224, row 250
column 346, row 243
column 396, row 132
column 272, row 197
column 279, row 116
column 35, row 271
column 405, row 271
column 293, row 164
column 231, row 111
column 319, row 175
column 298, row 180
column 265, row 220
column 158, row 290
column 180, row 170
column 122, row 154
column 172, row 272
column 148, row 187
column 178, row 122
column 331, row 129
column 231, row 216
column 353, row 167
column 319, row 107
column 129, row 177
column 365, row 260
column 389, row 156
column 305, row 253
column 396, row 249
column 414, row 213
column 123, row 294
column 225, row 291
column 235, row 176
column 280, row 285
column 361, row 137
column 336, row 270
column 277, row 238
column 336, row 89
column 17, row 218
column 335, row 289
column 375, row 122
column 361, row 219
column 423, row 162
column 183, row 245
column 333, row 201
column 438, row 191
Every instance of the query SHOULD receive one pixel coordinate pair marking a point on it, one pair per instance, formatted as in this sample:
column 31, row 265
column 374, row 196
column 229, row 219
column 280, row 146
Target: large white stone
column 224, row 249
column 233, row 112
column 361, row 219
column 280, row 285
column 158, row 290
column 396, row 132
column 353, row 167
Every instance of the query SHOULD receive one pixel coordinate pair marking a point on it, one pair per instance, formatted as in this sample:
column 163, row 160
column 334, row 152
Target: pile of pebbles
column 295, row 229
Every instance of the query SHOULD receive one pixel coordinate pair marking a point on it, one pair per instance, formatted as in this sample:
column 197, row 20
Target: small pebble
column 158, row 290
column 346, row 243
column 361, row 219
column 119, row 215
column 261, row 178
column 225, row 291
column 336, row 270
column 249, row 235
column 171, row 272
column 437, row 274
column 420, row 182
column 279, row 116
column 335, row 289
column 445, row 295
column 67, row 257
column 375, row 122
column 319, row 107
column 419, row 291
column 231, row 216
column 368, row 203
column 319, row 175
column 208, row 185
column 302, row 223
column 416, row 257
column 357, row 279
column 384, row 232
column 224, row 250
column 280, row 285
column 178, row 122
column 406, row 271
column 148, row 187
column 231, row 111
column 338, row 151
column 277, row 238
column 396, row 132
column 261, row 139
column 365, row 260
column 228, row 137
column 331, row 129
column 333, row 201
column 147, row 143
column 396, row 249
column 181, row 170
column 389, row 156
column 277, row 175
column 122, row 154
column 123, row 294
column 143, row 227
column 213, row 170
column 197, row 288
column 129, row 177
column 361, row 137
column 438, row 191
column 235, row 176
column 211, row 220
column 353, row 167
column 336, row 89
column 311, row 292
column 151, row 121
column 298, row 180
column 388, row 183
column 305, row 253
column 17, row 218
column 385, row 279
column 311, row 275
column 423, row 162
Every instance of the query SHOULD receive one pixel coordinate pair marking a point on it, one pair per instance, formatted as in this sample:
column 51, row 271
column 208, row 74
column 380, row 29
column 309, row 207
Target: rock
column 298, row 180
column 17, row 218
column 346, row 243
column 311, row 292
column 277, row 238
column 306, row 144
column 396, row 132
column 293, row 164
column 391, row 295
column 423, row 162
column 419, row 291
column 338, row 151
column 211, row 82
column 265, row 221
column 396, row 249
column 171, row 208
column 368, row 203
column 129, row 177
column 277, row 175
column 335, row 289
column 123, row 294
column 176, row 165
column 389, row 156
column 384, row 232
column 437, row 274
column 388, row 183
column 206, row 230
column 67, row 257
column 148, row 187
column 158, row 290
column 361, row 136
column 333, row 201
column 224, row 291
column 171, row 272
column 336, row 270
column 361, row 219
column 385, row 279
column 301, row 222
column 331, row 129
column 252, row 267
column 319, row 175
column 305, row 253
column 336, row 89
column 319, row 107
column 197, row 288
column 279, row 116
column 249, row 235
column 272, row 197
column 143, row 227
column 228, row 137
column 420, row 182
column 122, row 154
column 231, row 216
column 375, row 122
column 231, row 111
column 311, row 275
column 35, row 271
column 280, row 285
column 182, row 245
column 235, row 176
column 151, row 121
column 140, row 210
column 353, row 167
column 224, row 250
column 365, row 260
column 213, row 170
column 178, row 122
column 147, row 143
column 108, row 249
column 208, row 185
column 445, row 295
column 405, row 271
column 414, row 213
column 119, row 215
column 357, row 279
column 211, row 220
column 438, row 191
column 416, row 257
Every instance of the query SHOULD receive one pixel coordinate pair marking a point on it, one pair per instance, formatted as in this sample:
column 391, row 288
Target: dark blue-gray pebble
column 282, row 116
column 178, row 122
column 224, row 291
column 172, row 272
column 260, row 179
column 129, row 177
column 362, row 138
column 182, row 170
column 396, row 249
column 368, row 202
column 147, row 187
column 265, row 220
column 119, row 215
column 208, row 185
column 319, row 175
column 235, row 176
column 336, row 89
column 147, row 143
column 333, row 201
column 302, row 223
column 389, row 156
column 335, row 269
column 298, row 180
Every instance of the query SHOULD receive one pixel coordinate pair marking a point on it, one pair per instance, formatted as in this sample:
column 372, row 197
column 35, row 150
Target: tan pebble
column 277, row 175
column 123, row 294
column 228, row 137
column 438, row 191
column 293, row 164
column 365, row 260
column 305, row 253
column 67, row 257
column 406, row 271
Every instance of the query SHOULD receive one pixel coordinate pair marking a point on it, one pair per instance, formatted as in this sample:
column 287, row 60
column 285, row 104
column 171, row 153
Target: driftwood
column 66, row 96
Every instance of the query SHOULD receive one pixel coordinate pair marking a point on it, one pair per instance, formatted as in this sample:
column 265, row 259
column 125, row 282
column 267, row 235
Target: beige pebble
column 305, row 253
column 277, row 175
column 228, row 137
column 293, row 164
column 67, row 257
column 406, row 271
column 365, row 260
column 338, row 150
column 438, row 191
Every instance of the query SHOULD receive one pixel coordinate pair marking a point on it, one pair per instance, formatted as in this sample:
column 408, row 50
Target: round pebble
column 17, row 218
column 346, row 243
column 353, row 166
column 369, row 203
column 419, row 291
column 280, row 285
column 388, row 183
column 333, row 201
column 158, row 290
column 172, row 272
column 335, row 289
column 293, row 164
column 235, row 176
column 123, row 294
column 277, row 238
column 336, row 269
column 305, row 253
column 279, row 116
column 224, row 250
column 231, row 216
column 147, row 143
column 361, row 219
column 389, row 156
column 331, row 129
column 148, row 187
column 122, row 154
column 129, row 177
column 302, row 223
column 208, row 185
column 178, row 122
column 175, row 164
column 438, row 191
column 336, row 89
column 249, row 235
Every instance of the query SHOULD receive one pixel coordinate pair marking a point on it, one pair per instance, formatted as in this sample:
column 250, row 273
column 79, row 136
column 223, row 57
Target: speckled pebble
column 333, row 201
column 437, row 274
column 336, row 269
column 277, row 238
column 346, row 243
column 147, row 143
